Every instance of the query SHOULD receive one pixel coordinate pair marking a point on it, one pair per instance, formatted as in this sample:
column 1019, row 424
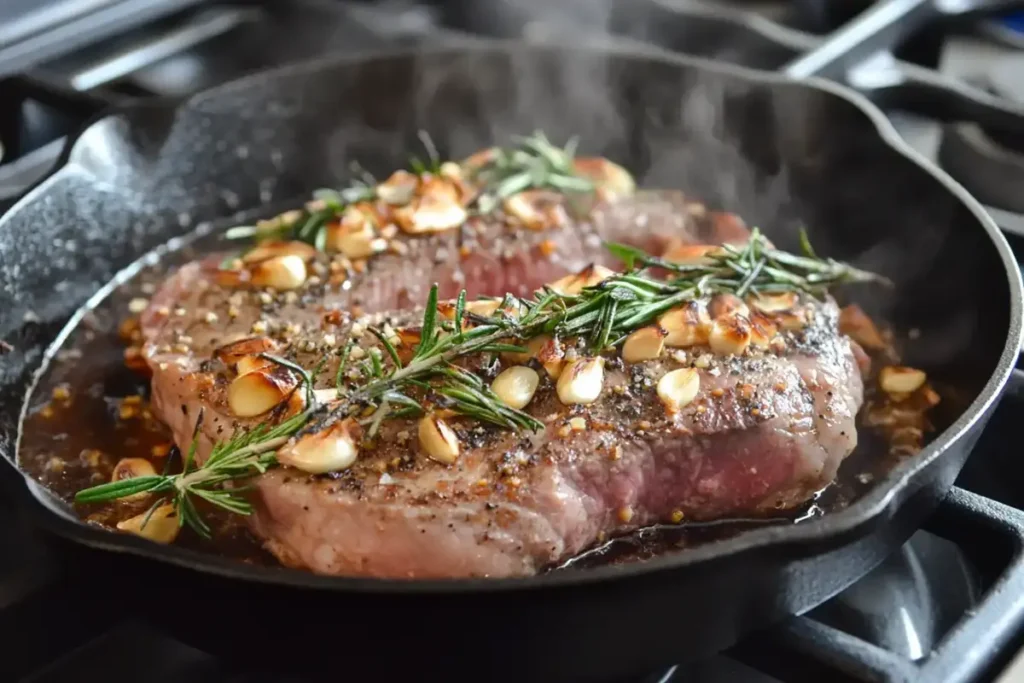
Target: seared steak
column 766, row 430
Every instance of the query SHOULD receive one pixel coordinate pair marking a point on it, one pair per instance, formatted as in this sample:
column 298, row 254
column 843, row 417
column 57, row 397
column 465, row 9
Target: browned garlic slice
column 574, row 283
column 730, row 335
column 774, row 303
column 762, row 330
column 727, row 305
column 581, row 381
column 896, row 379
column 645, row 344
column 537, row 209
column 274, row 248
column 516, row 386
column 231, row 354
column 678, row 388
column 130, row 468
column 686, row 325
column 691, row 254
column 160, row 525
column 355, row 236
column 611, row 180
column 330, row 450
column 280, row 272
column 256, row 392
column 438, row 440
column 399, row 189
column 437, row 209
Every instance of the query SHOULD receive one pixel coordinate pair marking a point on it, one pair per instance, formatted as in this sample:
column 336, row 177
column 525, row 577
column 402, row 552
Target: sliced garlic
column 573, row 284
column 231, row 354
column 774, row 303
column 249, row 364
column 438, row 440
column 581, row 381
column 691, row 254
column 130, row 468
column 355, row 236
column 645, row 344
column 762, row 330
column 516, row 386
column 437, row 209
column 791, row 321
column 161, row 526
column 257, row 392
column 281, row 272
column 686, row 325
column 537, row 209
column 611, row 180
column 546, row 350
column 896, row 379
column 856, row 324
column 678, row 388
column 729, row 336
column 399, row 189
column 274, row 248
column 725, row 305
column 330, row 450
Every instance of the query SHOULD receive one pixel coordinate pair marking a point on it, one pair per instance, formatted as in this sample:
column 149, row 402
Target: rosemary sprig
column 534, row 164
column 245, row 455
column 603, row 315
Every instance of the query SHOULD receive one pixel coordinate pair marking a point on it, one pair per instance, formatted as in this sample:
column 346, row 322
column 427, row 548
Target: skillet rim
column 828, row 530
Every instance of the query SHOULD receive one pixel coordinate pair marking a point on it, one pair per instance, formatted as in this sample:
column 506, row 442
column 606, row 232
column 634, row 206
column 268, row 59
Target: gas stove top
column 926, row 614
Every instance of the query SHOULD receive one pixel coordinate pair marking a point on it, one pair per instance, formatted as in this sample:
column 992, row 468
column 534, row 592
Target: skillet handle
column 860, row 56
column 878, row 30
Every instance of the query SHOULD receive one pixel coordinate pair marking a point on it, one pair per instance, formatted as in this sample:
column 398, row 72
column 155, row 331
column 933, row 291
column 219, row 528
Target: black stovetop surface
column 922, row 615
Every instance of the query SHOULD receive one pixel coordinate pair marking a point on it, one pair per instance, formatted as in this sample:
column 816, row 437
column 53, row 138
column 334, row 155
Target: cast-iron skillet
column 778, row 152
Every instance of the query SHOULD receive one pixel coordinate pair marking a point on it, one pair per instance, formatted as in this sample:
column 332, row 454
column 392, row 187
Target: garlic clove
column 545, row 349
column 231, row 354
column 792, row 321
column 516, row 386
column 437, row 209
column 161, row 526
column 645, row 344
column 729, row 335
column 581, row 381
column 774, row 303
column 355, row 236
column 537, row 209
column 856, row 324
column 691, row 254
column 611, row 180
column 762, row 330
column 274, row 248
column 281, row 272
column 232, row 278
column 249, row 364
column 897, row 380
column 130, row 468
column 678, row 388
column 573, row 284
column 257, row 392
column 724, row 305
column 330, row 450
column 438, row 440
column 399, row 189
column 686, row 325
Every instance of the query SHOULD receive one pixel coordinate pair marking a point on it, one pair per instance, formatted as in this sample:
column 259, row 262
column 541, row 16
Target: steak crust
column 766, row 431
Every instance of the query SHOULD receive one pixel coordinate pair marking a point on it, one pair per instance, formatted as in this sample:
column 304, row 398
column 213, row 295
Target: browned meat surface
column 767, row 429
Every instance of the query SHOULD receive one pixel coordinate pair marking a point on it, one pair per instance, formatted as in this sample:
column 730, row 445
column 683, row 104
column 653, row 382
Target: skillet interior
column 780, row 154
